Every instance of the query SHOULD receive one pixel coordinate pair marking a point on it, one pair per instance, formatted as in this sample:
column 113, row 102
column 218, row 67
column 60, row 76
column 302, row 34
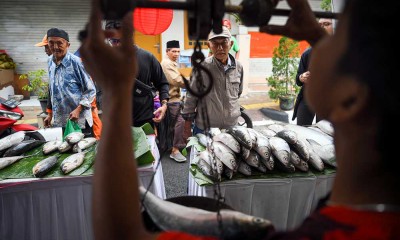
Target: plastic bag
column 70, row 127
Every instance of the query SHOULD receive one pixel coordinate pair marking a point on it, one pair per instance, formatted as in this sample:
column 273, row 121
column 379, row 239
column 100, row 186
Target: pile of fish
column 286, row 147
column 13, row 148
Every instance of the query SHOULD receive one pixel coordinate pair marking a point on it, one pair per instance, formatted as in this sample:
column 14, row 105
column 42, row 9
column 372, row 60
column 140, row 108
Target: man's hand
column 47, row 120
column 160, row 113
column 187, row 132
column 304, row 77
column 74, row 115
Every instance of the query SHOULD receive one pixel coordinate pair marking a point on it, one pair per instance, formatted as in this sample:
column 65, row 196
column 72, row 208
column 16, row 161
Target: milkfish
column 207, row 170
column 43, row 167
column 214, row 131
column 72, row 162
column 203, row 139
column 244, row 152
column 84, row 144
column 11, row 140
column 281, row 150
column 268, row 163
column 325, row 127
column 7, row 161
column 228, row 140
column 253, row 135
column 51, row 146
column 64, row 147
column 262, row 168
column 74, row 137
column 297, row 162
column 263, row 148
column 235, row 225
column 276, row 127
column 266, row 132
column 241, row 134
column 307, row 133
column 297, row 143
column 244, row 168
column 325, row 152
column 22, row 147
column 254, row 159
column 228, row 173
column 218, row 166
column 315, row 161
column 226, row 155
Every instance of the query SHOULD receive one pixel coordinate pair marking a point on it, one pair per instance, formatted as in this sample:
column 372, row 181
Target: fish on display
column 7, row 161
column 290, row 168
column 22, row 147
column 74, row 137
column 241, row 134
column 262, row 168
column 269, row 163
column 226, row 155
column 207, row 170
column 244, row 168
column 72, row 162
column 263, row 147
column 325, row 127
column 64, row 147
column 281, row 150
column 307, row 133
column 254, row 159
column 325, row 152
column 84, row 144
column 170, row 216
column 51, row 146
column 267, row 132
column 245, row 152
column 276, row 127
column 11, row 140
column 228, row 140
column 297, row 162
column 43, row 167
column 203, row 139
column 315, row 161
column 253, row 135
column 228, row 173
column 297, row 143
column 214, row 131
column 217, row 170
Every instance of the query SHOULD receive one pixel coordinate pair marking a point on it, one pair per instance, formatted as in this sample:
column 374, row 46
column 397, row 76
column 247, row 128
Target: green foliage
column 37, row 84
column 326, row 5
column 285, row 62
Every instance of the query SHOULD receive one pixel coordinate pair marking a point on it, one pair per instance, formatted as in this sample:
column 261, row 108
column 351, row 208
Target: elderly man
column 174, row 77
column 222, row 102
column 71, row 89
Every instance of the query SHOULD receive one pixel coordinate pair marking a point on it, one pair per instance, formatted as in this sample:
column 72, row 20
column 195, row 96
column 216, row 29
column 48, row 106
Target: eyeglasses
column 114, row 41
column 325, row 24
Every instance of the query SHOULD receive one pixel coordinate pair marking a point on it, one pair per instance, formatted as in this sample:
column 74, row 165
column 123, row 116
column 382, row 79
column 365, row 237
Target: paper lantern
column 152, row 21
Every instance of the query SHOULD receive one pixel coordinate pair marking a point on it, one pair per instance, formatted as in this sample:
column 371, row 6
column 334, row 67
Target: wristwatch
column 164, row 102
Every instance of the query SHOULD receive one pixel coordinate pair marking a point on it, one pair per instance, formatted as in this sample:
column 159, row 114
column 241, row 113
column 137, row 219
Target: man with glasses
column 222, row 103
column 71, row 89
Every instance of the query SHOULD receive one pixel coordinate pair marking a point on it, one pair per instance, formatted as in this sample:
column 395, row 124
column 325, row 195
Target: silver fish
column 244, row 168
column 262, row 168
column 74, row 137
column 51, row 146
column 241, row 134
column 228, row 173
column 207, row 157
column 64, row 147
column 325, row 152
column 215, row 131
column 84, row 144
column 253, row 135
column 11, row 140
column 297, row 162
column 7, row 161
column 270, row 163
column 315, row 161
column 267, row 132
column 226, row 155
column 207, row 170
column 43, row 167
column 276, row 127
column 297, row 143
column 263, row 147
column 304, row 133
column 244, row 152
column 325, row 127
column 203, row 140
column 22, row 147
column 281, row 150
column 72, row 162
column 228, row 140
column 174, row 217
column 254, row 159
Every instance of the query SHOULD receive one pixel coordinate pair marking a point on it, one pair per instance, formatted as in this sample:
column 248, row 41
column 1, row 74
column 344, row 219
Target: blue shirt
column 70, row 85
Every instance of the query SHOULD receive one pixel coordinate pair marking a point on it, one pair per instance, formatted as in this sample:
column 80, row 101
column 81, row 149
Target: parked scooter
column 10, row 113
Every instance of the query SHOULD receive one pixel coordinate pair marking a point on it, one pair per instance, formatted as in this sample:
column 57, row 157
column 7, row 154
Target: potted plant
column 37, row 86
column 282, row 83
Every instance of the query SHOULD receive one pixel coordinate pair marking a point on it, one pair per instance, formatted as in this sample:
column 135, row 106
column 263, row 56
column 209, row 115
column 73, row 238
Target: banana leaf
column 141, row 147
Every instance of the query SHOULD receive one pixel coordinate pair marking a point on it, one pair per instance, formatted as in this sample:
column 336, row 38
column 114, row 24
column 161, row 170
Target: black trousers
column 304, row 115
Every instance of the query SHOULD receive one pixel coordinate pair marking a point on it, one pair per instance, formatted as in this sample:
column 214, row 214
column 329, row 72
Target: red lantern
column 152, row 21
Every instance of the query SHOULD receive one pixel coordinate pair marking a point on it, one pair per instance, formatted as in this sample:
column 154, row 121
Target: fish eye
column 258, row 220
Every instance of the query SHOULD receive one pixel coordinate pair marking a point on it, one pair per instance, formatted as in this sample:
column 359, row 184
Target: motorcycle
column 10, row 113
